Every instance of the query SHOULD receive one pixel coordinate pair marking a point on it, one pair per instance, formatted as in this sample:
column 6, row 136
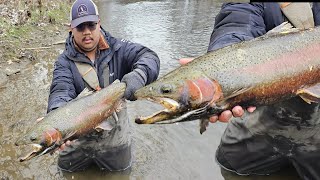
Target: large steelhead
column 261, row 71
column 76, row 118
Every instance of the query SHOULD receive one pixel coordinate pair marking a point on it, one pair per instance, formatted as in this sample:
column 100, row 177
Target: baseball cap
column 83, row 11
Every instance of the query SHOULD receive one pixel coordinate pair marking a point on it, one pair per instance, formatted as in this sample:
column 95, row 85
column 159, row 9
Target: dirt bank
column 30, row 30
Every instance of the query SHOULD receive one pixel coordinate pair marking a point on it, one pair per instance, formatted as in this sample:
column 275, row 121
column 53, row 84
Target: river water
column 174, row 29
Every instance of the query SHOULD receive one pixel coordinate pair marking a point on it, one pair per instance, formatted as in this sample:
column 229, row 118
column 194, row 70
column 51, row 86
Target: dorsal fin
column 310, row 94
column 282, row 29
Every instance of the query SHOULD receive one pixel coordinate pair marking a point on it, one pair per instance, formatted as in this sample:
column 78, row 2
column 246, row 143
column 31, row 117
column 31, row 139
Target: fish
column 78, row 117
column 262, row 71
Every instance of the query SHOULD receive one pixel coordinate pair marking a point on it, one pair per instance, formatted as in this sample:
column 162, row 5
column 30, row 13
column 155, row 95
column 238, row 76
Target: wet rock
column 5, row 175
column 3, row 79
column 27, row 54
column 12, row 70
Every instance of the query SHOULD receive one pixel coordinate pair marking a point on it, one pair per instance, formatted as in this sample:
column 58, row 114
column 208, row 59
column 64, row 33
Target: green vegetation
column 20, row 23
column 31, row 24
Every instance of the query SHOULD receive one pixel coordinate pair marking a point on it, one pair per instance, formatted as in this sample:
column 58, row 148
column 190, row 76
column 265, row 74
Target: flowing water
column 174, row 29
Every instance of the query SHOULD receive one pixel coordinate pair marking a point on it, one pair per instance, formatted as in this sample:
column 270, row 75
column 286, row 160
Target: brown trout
column 261, row 71
column 78, row 117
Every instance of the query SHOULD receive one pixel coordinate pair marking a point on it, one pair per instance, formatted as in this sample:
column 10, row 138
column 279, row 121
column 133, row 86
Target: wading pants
column 272, row 138
column 109, row 149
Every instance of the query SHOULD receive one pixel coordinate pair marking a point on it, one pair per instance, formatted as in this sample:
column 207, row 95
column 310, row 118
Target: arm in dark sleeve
column 62, row 88
column 141, row 59
column 237, row 22
column 316, row 13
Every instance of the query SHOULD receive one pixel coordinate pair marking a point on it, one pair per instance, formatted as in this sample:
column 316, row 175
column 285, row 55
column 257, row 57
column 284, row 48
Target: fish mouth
column 173, row 112
column 171, row 106
column 37, row 150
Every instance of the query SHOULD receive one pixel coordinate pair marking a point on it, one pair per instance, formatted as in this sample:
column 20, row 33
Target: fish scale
column 78, row 117
column 257, row 72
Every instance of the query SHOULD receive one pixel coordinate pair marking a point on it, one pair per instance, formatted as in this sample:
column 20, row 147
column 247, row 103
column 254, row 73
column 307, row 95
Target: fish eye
column 166, row 89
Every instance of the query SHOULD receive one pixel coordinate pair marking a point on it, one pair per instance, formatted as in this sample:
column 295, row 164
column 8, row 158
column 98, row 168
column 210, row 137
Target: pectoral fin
column 116, row 81
column 310, row 94
column 226, row 100
column 203, row 125
column 69, row 135
column 104, row 126
column 282, row 29
column 115, row 116
column 85, row 92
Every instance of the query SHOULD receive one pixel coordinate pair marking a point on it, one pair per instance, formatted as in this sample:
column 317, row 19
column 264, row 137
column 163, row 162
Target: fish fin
column 115, row 116
column 85, row 92
column 119, row 106
column 237, row 92
column 225, row 100
column 39, row 119
column 310, row 94
column 116, row 81
column 223, row 104
column 203, row 125
column 68, row 135
column 282, row 29
column 104, row 126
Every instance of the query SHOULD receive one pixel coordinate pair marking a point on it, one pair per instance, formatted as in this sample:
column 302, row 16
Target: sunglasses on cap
column 91, row 26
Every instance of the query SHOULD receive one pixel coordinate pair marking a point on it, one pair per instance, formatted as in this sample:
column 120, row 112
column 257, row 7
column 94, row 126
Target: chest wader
column 109, row 149
column 273, row 137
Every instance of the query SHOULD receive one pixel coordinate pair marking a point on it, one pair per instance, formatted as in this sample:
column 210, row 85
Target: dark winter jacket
column 244, row 21
column 121, row 57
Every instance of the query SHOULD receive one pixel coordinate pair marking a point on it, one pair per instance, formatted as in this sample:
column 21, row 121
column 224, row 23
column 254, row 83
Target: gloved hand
column 134, row 81
column 299, row 14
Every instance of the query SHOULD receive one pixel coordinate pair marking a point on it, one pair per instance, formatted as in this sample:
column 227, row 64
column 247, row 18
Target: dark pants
column 109, row 149
column 264, row 155
column 272, row 138
column 113, row 159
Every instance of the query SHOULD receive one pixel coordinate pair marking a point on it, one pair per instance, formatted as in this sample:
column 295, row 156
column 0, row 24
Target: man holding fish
column 269, row 138
column 94, row 59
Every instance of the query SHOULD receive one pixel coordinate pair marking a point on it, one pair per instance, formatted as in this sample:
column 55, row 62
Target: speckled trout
column 78, row 117
column 261, row 71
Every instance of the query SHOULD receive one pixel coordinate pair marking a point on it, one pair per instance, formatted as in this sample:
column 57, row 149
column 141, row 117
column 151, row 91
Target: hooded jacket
column 120, row 58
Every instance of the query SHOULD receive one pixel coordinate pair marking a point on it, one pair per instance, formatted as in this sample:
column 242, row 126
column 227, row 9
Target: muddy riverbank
column 30, row 30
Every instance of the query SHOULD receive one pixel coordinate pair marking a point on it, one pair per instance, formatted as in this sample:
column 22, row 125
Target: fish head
column 39, row 142
column 179, row 93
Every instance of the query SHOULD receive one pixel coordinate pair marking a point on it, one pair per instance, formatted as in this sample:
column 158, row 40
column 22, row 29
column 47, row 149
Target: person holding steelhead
column 93, row 59
column 270, row 138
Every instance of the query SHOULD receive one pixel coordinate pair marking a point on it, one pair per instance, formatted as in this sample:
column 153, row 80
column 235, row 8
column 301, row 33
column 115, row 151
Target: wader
column 272, row 138
column 109, row 149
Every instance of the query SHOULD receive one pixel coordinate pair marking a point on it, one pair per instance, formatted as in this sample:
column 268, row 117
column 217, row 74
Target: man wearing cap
column 94, row 59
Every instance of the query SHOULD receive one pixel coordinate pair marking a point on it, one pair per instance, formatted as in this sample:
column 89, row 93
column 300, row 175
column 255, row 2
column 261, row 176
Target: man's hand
column 134, row 80
column 225, row 116
column 61, row 148
column 184, row 61
column 299, row 14
column 66, row 144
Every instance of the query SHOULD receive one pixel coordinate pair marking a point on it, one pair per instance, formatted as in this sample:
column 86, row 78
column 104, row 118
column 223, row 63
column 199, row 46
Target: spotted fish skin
column 76, row 118
column 261, row 71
